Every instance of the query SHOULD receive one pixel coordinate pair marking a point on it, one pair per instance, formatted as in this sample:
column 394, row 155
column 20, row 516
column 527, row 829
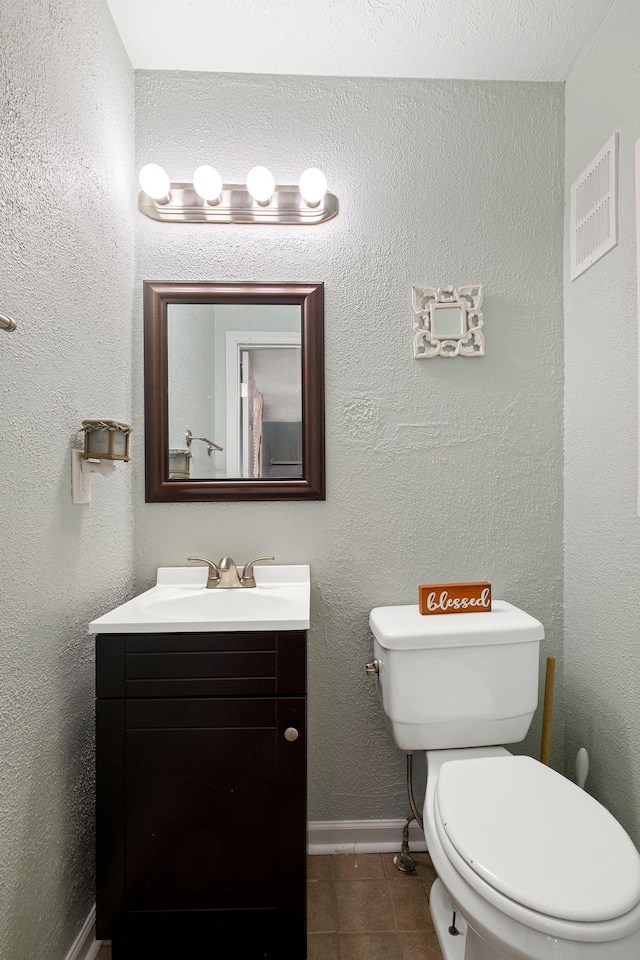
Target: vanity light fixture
column 208, row 200
column 260, row 184
column 105, row 442
column 155, row 183
column 313, row 186
column 207, row 183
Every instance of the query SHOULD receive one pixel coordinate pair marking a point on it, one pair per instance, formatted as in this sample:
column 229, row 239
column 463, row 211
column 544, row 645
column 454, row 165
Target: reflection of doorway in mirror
column 264, row 405
column 251, row 411
column 271, row 412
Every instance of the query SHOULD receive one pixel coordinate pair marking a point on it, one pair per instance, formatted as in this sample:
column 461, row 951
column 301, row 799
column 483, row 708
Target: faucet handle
column 247, row 579
column 213, row 572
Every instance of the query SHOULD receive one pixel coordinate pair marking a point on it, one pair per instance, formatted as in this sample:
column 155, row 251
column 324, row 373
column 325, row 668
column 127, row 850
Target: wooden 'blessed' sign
column 454, row 598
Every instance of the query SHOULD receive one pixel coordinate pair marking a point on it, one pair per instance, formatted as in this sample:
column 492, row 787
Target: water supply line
column 412, row 801
column 404, row 861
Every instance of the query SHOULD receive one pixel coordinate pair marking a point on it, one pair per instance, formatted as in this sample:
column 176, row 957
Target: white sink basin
column 180, row 602
column 257, row 603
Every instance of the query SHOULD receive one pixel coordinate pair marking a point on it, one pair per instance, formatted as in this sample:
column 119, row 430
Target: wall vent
column 638, row 282
column 594, row 209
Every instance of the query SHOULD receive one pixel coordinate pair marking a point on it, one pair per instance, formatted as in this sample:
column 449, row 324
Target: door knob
column 291, row 734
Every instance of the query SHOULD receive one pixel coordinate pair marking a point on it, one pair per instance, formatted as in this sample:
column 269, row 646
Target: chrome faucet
column 225, row 576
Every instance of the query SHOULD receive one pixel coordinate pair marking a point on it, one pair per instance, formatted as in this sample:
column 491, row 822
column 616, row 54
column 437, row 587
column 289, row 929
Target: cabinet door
column 203, row 828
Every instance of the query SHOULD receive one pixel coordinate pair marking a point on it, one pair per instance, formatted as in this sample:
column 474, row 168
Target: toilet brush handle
column 545, row 747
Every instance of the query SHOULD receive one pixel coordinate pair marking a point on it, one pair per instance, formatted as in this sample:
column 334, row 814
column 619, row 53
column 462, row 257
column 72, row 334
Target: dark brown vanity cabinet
column 201, row 795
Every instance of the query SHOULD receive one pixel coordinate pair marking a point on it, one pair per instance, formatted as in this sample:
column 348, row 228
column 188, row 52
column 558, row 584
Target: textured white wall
column 602, row 531
column 66, row 250
column 436, row 469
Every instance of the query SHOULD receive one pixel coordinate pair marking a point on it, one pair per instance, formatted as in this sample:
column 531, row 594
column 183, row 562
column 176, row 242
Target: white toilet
column 534, row 867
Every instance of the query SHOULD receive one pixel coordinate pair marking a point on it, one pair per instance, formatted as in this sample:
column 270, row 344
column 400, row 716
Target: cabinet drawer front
column 201, row 687
column 190, row 642
column 200, row 673
column 170, row 666
column 201, row 664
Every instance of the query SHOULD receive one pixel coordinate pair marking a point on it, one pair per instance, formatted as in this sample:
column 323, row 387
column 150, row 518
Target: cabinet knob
column 291, row 734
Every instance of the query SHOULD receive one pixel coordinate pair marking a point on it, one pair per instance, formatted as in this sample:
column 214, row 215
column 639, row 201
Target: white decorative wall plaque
column 448, row 322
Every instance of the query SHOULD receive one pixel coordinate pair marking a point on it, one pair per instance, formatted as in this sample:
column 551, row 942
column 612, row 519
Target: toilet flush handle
column 373, row 668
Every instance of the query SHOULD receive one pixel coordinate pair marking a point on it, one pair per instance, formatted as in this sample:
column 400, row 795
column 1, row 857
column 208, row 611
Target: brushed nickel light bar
column 261, row 200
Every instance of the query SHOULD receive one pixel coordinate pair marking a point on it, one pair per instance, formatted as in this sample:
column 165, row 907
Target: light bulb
column 260, row 184
column 155, row 182
column 207, row 183
column 313, row 186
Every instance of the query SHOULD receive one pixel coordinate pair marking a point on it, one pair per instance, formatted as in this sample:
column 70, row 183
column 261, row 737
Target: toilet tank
column 457, row 680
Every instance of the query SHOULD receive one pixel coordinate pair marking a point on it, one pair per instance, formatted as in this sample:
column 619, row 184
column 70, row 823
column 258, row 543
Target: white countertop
column 180, row 603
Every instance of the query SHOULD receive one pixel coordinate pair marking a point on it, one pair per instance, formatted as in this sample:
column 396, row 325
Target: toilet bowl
column 534, row 867
column 537, row 869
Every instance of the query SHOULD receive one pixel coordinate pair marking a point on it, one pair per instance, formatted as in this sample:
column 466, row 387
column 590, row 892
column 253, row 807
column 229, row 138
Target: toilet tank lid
column 405, row 628
column 537, row 838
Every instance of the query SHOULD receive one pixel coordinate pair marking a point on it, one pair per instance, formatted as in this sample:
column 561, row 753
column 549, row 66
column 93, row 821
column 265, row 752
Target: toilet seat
column 459, row 877
column 534, row 837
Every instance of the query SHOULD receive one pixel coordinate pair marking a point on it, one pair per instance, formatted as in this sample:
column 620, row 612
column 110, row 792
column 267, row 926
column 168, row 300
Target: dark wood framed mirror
column 234, row 391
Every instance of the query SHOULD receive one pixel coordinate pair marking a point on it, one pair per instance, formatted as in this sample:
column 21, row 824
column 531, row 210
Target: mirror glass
column 447, row 321
column 234, row 391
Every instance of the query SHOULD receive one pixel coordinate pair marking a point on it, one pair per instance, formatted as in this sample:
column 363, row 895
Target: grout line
column 335, row 903
column 395, row 912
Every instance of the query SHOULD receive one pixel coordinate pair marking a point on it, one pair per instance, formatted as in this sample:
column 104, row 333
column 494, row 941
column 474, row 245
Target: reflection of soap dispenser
column 179, row 464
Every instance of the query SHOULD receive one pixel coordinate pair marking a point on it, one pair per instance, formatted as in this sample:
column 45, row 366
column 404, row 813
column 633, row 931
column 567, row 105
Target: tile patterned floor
column 359, row 907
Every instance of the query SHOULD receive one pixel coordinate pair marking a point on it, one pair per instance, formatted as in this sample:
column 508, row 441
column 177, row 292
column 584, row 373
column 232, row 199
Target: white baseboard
column 362, row 836
column 85, row 946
